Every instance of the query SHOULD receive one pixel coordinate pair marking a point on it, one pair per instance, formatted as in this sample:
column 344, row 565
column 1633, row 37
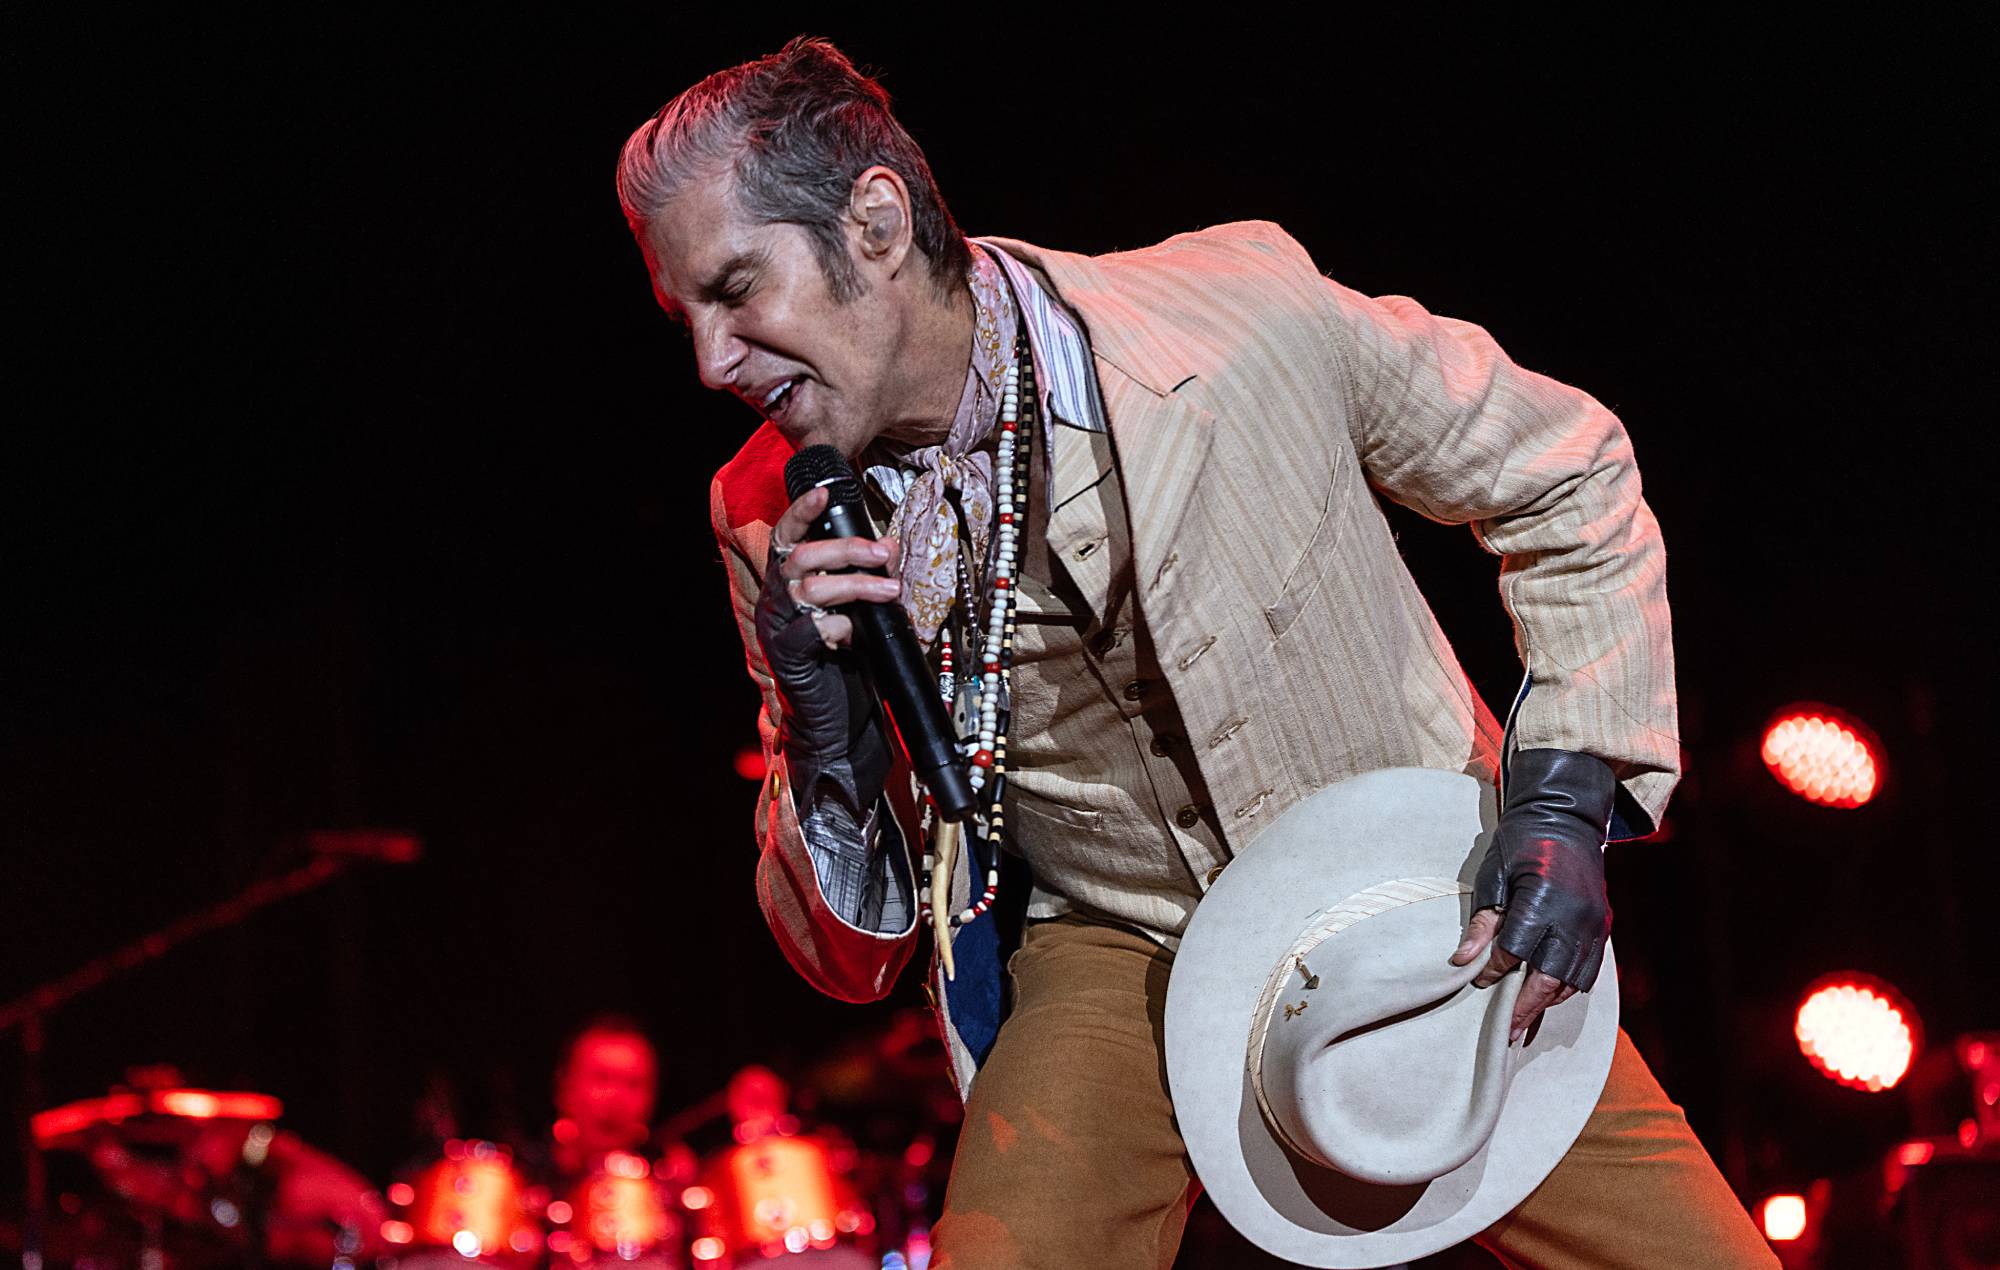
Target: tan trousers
column 1070, row 1157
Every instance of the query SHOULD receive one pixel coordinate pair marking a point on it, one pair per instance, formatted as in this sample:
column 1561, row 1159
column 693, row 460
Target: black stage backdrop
column 354, row 479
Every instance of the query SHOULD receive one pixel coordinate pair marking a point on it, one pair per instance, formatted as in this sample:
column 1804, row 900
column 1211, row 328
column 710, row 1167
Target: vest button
column 1107, row 641
column 1134, row 690
column 1163, row 744
column 1214, row 873
column 1188, row 817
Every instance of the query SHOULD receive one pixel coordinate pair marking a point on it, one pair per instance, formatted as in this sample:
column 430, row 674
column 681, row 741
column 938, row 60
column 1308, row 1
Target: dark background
column 354, row 479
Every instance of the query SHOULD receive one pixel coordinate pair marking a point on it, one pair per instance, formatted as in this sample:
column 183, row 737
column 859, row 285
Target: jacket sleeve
column 841, row 959
column 1447, row 424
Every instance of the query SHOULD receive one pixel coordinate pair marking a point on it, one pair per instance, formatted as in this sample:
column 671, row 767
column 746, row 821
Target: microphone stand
column 336, row 852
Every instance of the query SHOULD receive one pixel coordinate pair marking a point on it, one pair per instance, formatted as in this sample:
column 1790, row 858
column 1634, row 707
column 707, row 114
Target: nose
column 718, row 354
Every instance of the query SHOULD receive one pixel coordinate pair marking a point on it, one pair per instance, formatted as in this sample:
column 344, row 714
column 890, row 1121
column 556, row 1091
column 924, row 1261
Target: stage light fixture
column 1858, row 1031
column 1823, row 755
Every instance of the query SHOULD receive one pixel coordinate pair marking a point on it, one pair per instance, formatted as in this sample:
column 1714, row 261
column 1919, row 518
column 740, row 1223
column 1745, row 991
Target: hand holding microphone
column 824, row 556
column 826, row 717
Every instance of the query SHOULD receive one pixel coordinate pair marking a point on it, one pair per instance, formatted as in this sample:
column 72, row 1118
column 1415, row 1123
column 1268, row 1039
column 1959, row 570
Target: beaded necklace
column 991, row 650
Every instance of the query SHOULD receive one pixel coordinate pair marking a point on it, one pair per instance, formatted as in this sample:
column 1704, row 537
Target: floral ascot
column 924, row 521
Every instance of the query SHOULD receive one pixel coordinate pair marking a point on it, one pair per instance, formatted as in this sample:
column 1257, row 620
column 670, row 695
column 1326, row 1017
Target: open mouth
column 781, row 397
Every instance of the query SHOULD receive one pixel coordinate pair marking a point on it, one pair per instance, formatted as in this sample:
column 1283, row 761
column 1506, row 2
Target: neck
column 935, row 356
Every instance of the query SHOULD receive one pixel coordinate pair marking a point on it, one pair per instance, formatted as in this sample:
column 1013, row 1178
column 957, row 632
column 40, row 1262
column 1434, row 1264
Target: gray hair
column 795, row 128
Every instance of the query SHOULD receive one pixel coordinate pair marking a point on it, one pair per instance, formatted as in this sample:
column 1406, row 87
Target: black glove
column 1545, row 864
column 829, row 729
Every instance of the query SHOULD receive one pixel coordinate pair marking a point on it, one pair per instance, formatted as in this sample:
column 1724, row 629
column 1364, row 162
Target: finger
column 829, row 555
column 831, row 589
column 835, row 631
column 895, row 546
column 1563, row 996
column 1498, row 963
column 791, row 527
column 1537, row 994
column 1479, row 932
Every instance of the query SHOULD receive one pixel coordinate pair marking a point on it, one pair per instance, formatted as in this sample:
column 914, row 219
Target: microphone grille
column 818, row 465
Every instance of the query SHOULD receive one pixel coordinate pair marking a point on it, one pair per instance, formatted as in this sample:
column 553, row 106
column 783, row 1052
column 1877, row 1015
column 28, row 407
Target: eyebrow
column 718, row 282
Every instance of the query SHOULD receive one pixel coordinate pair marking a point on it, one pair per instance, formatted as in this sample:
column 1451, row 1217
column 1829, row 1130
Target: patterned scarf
column 917, row 480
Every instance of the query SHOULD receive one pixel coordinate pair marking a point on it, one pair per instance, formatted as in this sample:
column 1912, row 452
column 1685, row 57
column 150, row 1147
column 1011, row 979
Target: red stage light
column 750, row 763
column 1784, row 1218
column 1823, row 756
column 1858, row 1031
column 708, row 1248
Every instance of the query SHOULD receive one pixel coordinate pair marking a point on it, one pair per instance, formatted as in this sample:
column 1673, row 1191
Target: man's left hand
column 1539, row 896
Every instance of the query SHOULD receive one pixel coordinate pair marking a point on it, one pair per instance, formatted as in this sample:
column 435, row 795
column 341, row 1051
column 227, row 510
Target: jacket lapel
column 1161, row 439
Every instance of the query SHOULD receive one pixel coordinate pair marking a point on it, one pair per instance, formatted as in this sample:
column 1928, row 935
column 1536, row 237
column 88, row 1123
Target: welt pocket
column 1029, row 807
column 1303, row 581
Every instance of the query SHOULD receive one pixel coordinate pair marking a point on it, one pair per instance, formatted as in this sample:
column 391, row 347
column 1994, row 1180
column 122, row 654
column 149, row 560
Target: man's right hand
column 798, row 633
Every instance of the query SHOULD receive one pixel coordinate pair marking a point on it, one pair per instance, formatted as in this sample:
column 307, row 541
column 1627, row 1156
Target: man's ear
column 879, row 208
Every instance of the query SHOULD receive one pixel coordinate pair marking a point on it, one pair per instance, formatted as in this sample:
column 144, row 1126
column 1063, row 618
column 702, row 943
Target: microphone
column 886, row 640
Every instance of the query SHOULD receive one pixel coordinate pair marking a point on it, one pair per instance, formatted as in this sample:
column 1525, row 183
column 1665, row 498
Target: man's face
column 765, row 325
column 607, row 1089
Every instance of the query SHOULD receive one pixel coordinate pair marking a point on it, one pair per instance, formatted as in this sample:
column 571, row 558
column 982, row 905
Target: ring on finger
column 792, row 586
column 782, row 551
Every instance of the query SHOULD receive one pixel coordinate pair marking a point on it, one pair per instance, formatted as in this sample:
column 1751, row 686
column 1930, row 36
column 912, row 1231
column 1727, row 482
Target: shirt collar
column 1064, row 374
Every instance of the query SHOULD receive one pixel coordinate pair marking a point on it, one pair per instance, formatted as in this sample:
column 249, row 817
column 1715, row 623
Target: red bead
column 1006, row 518
column 1000, row 584
column 982, row 758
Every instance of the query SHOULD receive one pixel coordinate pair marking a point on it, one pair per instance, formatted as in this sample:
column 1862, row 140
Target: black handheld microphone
column 886, row 640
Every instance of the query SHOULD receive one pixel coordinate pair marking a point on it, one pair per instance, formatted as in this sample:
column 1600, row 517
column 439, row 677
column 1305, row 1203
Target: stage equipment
column 333, row 854
column 469, row 1206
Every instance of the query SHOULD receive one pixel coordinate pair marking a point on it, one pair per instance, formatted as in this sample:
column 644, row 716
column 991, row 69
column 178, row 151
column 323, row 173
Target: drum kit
column 160, row 1176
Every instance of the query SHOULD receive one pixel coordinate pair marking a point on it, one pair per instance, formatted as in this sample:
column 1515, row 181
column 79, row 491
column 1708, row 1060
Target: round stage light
column 1784, row 1218
column 1858, row 1031
column 1823, row 756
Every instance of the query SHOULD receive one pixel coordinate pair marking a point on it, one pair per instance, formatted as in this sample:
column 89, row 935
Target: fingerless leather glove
column 830, row 729
column 1545, row 864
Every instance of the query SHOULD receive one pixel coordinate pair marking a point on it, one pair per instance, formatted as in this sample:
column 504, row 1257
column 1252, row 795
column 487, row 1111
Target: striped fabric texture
column 1256, row 410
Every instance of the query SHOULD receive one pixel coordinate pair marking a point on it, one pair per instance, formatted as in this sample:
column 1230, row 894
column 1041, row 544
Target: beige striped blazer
column 1256, row 410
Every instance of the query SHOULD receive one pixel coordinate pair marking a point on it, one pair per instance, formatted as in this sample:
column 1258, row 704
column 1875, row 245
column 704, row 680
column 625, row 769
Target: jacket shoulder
column 1235, row 245
column 750, row 488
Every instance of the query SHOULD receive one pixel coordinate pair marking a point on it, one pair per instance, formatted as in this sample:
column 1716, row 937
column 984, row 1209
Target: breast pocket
column 1302, row 583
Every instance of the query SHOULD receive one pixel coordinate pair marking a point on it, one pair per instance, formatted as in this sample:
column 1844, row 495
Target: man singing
column 1129, row 496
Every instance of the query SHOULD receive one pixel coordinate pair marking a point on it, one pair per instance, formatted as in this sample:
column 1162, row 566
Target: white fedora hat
column 1348, row 1098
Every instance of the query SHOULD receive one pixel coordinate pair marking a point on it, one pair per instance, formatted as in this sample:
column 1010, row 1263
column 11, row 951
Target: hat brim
column 1359, row 833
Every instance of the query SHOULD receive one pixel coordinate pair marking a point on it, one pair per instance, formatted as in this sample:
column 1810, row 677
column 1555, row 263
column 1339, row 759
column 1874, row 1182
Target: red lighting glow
column 398, row 1232
column 1823, row 756
column 708, row 1248
column 696, row 1198
column 1858, row 1031
column 402, row 1194
column 1915, row 1154
column 1784, row 1218
column 750, row 763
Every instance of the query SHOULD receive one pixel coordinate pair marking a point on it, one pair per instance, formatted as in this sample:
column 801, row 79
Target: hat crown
column 1400, row 1075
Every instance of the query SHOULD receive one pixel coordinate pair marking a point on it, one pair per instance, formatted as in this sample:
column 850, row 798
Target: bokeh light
column 1784, row 1218
column 1823, row 756
column 1858, row 1031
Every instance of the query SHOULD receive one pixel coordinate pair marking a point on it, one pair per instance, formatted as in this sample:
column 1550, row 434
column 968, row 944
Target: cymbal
column 152, row 1116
